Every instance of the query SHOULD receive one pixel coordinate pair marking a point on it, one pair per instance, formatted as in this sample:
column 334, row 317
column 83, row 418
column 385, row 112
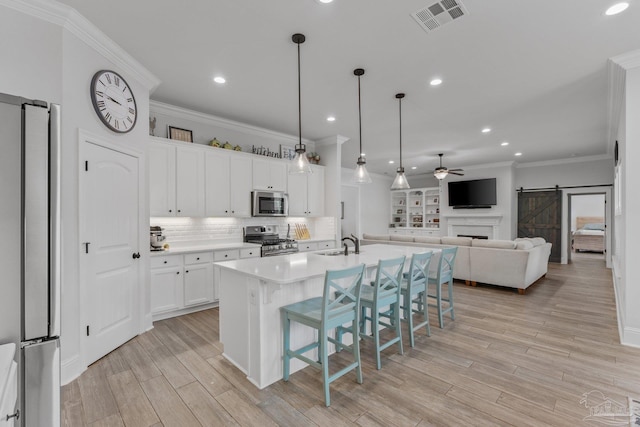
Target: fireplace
column 476, row 226
column 474, row 236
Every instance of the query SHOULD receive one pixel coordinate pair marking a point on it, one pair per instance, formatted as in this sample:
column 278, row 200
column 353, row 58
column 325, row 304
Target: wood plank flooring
column 507, row 359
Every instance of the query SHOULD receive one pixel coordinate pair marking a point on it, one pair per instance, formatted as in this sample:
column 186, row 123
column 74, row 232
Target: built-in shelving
column 417, row 209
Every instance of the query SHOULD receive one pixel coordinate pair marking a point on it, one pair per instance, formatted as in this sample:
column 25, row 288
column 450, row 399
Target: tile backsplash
column 179, row 230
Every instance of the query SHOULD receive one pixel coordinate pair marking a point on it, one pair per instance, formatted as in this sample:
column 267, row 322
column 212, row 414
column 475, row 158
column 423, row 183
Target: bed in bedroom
column 589, row 234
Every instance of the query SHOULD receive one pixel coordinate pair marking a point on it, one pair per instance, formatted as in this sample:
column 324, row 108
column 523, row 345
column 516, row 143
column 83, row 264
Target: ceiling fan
column 441, row 172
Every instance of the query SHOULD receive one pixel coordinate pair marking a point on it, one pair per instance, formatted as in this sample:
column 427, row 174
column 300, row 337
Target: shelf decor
column 179, row 134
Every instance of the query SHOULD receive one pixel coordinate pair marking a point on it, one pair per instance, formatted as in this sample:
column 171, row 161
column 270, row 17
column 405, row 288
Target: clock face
column 113, row 101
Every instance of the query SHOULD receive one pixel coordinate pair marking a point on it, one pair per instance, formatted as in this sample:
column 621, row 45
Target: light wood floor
column 507, row 359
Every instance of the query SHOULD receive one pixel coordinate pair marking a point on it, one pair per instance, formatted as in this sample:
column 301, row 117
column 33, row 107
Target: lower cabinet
column 166, row 289
column 198, row 279
column 315, row 246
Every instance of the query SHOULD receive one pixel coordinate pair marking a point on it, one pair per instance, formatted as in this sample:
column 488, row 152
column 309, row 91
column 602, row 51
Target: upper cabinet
column 176, row 184
column 228, row 182
column 270, row 175
column 306, row 193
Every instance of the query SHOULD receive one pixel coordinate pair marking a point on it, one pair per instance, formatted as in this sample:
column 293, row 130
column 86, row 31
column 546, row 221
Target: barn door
column 540, row 215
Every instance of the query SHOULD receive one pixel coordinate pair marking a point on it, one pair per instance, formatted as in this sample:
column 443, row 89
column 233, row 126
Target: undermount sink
column 335, row 253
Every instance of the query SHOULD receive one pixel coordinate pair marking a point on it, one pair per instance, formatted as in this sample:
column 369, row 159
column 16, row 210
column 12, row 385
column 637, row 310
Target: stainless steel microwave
column 269, row 203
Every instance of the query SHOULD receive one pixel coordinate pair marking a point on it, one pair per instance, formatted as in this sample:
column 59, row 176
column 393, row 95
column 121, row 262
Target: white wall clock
column 113, row 101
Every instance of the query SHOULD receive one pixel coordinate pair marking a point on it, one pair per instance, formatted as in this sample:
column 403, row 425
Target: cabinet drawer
column 250, row 252
column 226, row 255
column 311, row 246
column 166, row 261
column 330, row 244
column 198, row 258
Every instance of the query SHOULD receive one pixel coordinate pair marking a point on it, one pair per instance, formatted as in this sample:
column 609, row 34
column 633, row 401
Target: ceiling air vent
column 438, row 14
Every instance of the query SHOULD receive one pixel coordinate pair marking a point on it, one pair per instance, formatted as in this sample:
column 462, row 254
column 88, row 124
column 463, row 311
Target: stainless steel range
column 272, row 243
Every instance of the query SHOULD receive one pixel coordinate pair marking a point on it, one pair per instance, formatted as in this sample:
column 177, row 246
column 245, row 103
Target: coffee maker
column 157, row 239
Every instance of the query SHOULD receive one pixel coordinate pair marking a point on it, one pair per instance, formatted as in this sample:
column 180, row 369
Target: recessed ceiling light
column 219, row 79
column 518, row 154
column 324, row 1
column 436, row 82
column 486, row 130
column 331, row 119
column 504, row 144
column 617, row 8
column 391, row 162
column 414, row 167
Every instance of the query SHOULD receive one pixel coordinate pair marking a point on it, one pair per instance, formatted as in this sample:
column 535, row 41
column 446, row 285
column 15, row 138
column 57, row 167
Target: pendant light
column 400, row 183
column 360, row 175
column 300, row 163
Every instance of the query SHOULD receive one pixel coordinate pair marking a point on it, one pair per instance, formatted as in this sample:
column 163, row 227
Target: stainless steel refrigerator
column 29, row 253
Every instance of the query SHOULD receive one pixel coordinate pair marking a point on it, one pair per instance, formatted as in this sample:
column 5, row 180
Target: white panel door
column 109, row 224
column 189, row 182
column 217, row 187
column 241, row 179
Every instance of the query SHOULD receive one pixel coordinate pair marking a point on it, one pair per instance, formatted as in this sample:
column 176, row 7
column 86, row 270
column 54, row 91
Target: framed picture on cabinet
column 287, row 152
column 179, row 134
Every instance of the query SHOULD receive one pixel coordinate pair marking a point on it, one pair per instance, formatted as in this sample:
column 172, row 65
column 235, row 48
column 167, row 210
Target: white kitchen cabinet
column 270, row 175
column 162, row 183
column 198, row 284
column 189, row 182
column 306, row 193
column 224, row 255
column 228, row 185
column 176, row 180
column 166, row 284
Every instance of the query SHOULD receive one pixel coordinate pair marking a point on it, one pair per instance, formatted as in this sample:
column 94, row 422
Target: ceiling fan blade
column 455, row 173
column 456, row 170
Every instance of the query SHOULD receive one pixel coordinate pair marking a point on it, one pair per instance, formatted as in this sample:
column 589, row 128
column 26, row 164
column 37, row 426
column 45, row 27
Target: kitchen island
column 253, row 290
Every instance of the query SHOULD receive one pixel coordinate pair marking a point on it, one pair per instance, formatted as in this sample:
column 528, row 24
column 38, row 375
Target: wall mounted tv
column 477, row 193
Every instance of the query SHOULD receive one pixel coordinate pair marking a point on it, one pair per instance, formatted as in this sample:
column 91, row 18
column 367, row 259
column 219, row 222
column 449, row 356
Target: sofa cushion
column 496, row 244
column 457, row 241
column 375, row 236
column 427, row 239
column 536, row 241
column 524, row 244
column 401, row 238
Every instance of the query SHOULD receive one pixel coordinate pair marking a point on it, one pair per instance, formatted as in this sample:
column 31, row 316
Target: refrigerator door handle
column 54, row 221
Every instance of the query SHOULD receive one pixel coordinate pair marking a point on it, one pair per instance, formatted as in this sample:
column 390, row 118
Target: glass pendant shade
column 360, row 175
column 300, row 163
column 400, row 183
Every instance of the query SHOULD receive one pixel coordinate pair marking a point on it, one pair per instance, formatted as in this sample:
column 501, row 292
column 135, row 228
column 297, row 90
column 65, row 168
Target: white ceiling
column 533, row 71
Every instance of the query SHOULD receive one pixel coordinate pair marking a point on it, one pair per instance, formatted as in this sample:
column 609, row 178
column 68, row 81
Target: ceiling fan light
column 440, row 174
column 400, row 183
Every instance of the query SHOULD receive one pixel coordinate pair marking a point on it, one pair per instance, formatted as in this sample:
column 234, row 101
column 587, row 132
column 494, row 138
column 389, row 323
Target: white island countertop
column 306, row 265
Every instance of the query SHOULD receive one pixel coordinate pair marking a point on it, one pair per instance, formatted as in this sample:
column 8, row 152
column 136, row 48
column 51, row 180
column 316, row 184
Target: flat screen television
column 477, row 193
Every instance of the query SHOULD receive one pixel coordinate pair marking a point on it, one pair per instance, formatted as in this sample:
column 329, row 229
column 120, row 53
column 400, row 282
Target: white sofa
column 511, row 263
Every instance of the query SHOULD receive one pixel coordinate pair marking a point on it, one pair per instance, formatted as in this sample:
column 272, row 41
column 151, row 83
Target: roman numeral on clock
column 100, row 93
column 108, row 117
column 116, row 80
column 108, row 78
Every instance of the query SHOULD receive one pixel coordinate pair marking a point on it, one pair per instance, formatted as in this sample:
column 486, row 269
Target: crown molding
column 617, row 67
column 565, row 161
column 332, row 140
column 68, row 18
column 209, row 119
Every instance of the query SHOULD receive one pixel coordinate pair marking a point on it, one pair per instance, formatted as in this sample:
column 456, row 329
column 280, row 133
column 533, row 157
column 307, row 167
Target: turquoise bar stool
column 414, row 291
column 385, row 291
column 337, row 306
column 444, row 274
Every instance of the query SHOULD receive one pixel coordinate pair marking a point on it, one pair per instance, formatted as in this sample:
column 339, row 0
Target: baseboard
column 71, row 369
column 631, row 337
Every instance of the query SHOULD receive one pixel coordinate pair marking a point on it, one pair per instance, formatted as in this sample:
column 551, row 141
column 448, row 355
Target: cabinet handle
column 177, row 272
column 186, row 271
column 226, row 256
column 233, row 211
column 179, row 210
column 198, row 259
column 165, row 262
column 136, row 255
column 226, row 211
column 170, row 210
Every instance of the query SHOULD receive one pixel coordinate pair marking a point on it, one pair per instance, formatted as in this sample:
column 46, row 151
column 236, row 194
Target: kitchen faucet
column 356, row 243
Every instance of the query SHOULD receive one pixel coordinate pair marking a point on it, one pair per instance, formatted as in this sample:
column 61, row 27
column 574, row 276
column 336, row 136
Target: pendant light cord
column 400, row 111
column 359, row 117
column 299, row 103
